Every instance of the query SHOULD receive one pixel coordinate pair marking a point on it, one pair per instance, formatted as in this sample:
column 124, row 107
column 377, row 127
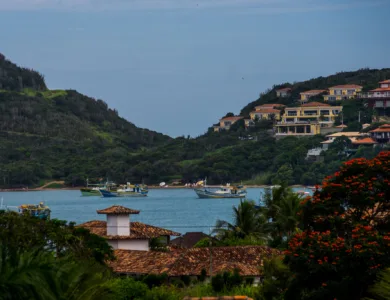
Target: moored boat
column 94, row 190
column 223, row 192
column 126, row 191
column 40, row 211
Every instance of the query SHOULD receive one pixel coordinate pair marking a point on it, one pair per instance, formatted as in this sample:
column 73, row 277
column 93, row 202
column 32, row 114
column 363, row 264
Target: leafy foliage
column 345, row 242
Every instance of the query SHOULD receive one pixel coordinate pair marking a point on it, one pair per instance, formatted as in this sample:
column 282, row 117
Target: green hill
column 63, row 135
column 60, row 134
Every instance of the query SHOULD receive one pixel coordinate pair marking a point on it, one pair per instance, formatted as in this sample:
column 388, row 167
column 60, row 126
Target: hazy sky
column 177, row 66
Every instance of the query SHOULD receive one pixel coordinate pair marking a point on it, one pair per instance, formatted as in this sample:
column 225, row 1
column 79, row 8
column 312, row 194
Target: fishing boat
column 227, row 191
column 94, row 190
column 127, row 190
column 40, row 211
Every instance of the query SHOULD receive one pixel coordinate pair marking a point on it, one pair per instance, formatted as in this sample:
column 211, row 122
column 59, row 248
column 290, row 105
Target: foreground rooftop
column 178, row 262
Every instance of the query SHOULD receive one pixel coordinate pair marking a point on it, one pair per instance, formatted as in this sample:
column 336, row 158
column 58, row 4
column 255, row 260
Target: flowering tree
column 346, row 236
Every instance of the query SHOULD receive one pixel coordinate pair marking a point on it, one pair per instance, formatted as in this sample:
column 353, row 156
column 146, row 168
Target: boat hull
column 109, row 194
column 205, row 194
column 89, row 192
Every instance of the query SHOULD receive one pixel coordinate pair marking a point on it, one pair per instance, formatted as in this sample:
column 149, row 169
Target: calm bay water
column 176, row 209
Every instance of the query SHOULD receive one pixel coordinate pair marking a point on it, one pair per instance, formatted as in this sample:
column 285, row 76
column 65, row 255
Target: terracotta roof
column 270, row 105
column 284, row 90
column 346, row 86
column 345, row 133
column 266, row 111
column 313, row 92
column 138, row 230
column 235, row 118
column 383, row 128
column 342, row 126
column 314, row 104
column 143, row 262
column 117, row 210
column 381, row 90
column 247, row 259
column 364, row 141
column 189, row 239
column 385, row 81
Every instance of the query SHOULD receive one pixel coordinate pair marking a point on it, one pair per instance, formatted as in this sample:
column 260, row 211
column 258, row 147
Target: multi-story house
column 307, row 119
column 305, row 96
column 283, row 93
column 343, row 92
column 381, row 134
column 226, row 123
column 379, row 98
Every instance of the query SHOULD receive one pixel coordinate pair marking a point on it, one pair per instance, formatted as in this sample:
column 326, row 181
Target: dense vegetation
column 336, row 245
column 63, row 135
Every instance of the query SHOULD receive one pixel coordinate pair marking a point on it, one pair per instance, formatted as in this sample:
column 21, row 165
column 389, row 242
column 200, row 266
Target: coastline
column 152, row 187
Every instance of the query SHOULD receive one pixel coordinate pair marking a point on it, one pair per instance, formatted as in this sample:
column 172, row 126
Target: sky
column 178, row 66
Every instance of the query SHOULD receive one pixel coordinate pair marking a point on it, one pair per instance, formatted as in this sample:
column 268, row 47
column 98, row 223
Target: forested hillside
column 58, row 134
column 64, row 135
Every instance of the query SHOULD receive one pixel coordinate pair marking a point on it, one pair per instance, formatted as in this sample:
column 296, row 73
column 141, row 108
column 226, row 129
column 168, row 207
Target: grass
column 48, row 94
column 55, row 186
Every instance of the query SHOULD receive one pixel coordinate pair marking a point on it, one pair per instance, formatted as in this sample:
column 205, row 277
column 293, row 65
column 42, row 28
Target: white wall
column 141, row 245
column 118, row 225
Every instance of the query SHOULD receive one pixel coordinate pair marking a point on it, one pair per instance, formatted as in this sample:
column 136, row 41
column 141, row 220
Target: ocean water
column 175, row 209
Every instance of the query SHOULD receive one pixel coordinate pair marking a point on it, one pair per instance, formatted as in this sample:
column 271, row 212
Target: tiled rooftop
column 266, row 110
column 346, row 86
column 138, row 230
column 189, row 239
column 235, row 118
column 385, row 81
column 364, row 141
column 313, row 92
column 284, row 90
column 117, row 210
column 247, row 259
column 383, row 128
column 314, row 104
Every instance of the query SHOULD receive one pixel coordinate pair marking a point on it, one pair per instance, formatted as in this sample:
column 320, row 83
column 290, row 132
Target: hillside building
column 226, row 123
column 343, row 92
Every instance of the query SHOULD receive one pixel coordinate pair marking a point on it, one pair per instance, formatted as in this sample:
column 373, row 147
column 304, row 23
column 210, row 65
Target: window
column 324, row 112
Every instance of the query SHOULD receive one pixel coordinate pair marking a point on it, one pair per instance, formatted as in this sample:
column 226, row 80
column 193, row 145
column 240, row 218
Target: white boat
column 227, row 191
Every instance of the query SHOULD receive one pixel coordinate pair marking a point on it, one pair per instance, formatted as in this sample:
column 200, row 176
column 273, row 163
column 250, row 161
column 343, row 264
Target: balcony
column 374, row 95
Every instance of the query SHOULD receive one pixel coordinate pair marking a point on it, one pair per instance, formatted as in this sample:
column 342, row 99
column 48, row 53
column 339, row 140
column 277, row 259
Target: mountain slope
column 56, row 134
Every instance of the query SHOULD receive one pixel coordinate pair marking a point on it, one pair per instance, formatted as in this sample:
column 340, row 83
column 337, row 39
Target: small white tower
column 118, row 221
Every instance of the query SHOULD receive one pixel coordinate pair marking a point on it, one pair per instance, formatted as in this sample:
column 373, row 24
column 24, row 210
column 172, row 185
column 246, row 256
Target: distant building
column 305, row 96
column 379, row 98
column 381, row 134
column 343, row 92
column 189, row 239
column 349, row 134
column 226, row 123
column 283, row 93
column 270, row 105
column 307, row 119
column 265, row 114
column 120, row 233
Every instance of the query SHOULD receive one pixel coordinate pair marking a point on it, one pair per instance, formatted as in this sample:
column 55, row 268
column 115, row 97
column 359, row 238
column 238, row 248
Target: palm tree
column 381, row 289
column 38, row 274
column 281, row 207
column 27, row 275
column 76, row 281
column 247, row 221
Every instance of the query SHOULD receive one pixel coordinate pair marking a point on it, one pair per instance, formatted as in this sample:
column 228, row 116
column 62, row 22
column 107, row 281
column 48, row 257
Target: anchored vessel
column 129, row 190
column 227, row 191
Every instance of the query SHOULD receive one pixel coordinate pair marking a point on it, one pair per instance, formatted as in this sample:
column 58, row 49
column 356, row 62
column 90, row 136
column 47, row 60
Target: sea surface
column 175, row 209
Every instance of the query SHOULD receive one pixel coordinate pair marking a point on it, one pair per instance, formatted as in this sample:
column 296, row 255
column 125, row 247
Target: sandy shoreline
column 152, row 187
